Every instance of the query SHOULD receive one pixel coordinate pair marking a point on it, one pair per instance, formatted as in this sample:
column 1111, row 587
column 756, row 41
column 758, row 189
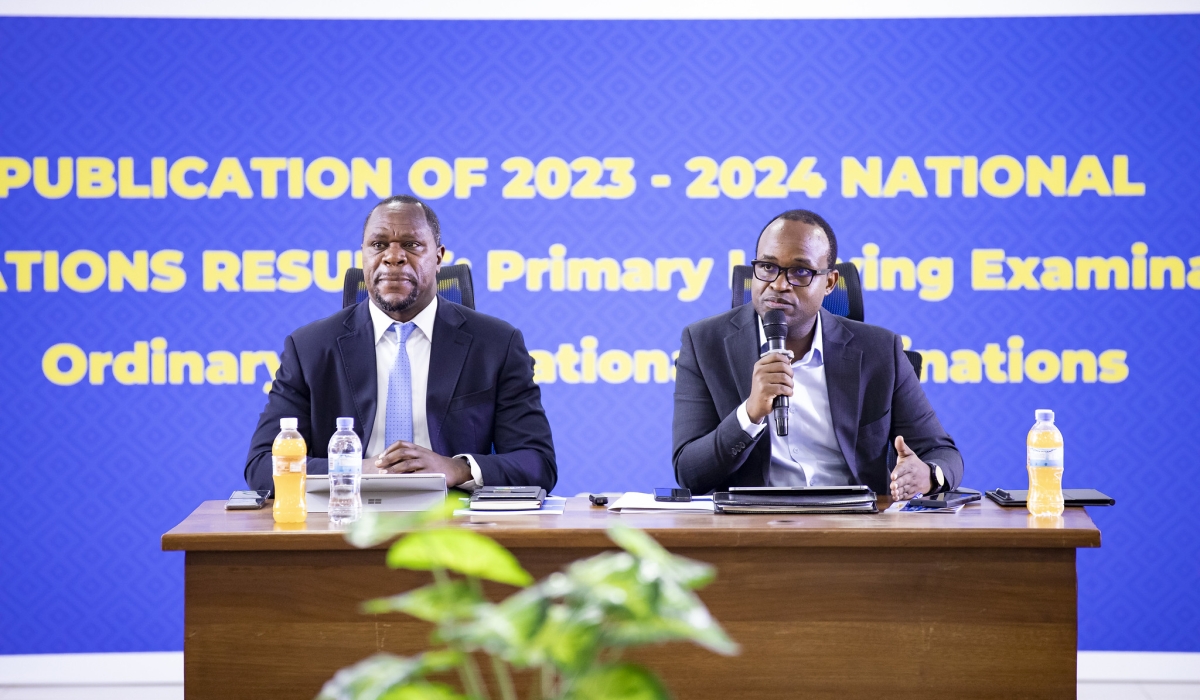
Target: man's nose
column 395, row 255
column 781, row 284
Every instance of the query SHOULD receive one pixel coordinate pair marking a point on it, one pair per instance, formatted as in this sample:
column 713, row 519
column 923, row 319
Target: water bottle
column 1044, row 450
column 288, row 470
column 345, row 473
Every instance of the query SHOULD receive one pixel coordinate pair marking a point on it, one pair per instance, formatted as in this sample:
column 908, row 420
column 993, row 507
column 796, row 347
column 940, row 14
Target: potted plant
column 569, row 630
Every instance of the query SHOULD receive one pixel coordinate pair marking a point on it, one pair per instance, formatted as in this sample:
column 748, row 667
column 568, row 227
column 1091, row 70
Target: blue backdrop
column 103, row 461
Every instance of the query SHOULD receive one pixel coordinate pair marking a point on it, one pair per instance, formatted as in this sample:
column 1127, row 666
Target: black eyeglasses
column 796, row 276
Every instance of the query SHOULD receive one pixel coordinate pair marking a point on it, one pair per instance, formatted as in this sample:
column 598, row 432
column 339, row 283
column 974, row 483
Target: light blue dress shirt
column 809, row 455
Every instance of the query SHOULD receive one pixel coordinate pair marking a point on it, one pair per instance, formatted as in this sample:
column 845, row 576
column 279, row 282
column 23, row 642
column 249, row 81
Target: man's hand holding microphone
column 772, row 377
column 771, row 387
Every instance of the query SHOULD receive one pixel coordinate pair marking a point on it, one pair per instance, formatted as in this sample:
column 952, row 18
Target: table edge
column 671, row 537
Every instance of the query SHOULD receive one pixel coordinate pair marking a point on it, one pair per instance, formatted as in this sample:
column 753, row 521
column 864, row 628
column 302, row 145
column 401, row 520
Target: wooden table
column 979, row 604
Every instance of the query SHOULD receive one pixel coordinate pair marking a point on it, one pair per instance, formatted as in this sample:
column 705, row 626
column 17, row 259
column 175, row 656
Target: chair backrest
column 845, row 300
column 453, row 284
column 915, row 358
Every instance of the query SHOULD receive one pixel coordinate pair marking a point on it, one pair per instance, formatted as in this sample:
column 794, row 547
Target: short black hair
column 812, row 219
column 430, row 217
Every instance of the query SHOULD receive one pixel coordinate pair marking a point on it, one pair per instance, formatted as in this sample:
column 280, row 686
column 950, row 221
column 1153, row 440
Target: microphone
column 775, row 328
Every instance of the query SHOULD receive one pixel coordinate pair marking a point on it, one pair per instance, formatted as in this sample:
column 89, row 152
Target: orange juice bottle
column 289, row 457
column 1044, row 450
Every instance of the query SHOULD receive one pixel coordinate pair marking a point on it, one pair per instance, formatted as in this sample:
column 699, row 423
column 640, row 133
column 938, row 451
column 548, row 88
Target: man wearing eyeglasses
column 853, row 392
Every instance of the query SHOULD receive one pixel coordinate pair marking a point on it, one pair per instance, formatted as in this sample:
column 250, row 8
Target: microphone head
column 775, row 324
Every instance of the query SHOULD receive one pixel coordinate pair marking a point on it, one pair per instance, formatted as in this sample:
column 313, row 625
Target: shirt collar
column 424, row 320
column 816, row 354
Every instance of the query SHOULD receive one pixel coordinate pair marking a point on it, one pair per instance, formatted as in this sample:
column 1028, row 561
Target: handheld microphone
column 775, row 328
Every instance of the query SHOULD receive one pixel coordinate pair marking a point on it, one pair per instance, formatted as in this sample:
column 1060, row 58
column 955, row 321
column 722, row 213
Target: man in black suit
column 434, row 387
column 853, row 391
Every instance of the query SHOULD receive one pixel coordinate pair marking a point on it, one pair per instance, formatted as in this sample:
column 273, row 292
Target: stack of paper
column 634, row 502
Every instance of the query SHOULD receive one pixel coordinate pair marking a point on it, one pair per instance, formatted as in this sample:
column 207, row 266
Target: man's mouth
column 777, row 303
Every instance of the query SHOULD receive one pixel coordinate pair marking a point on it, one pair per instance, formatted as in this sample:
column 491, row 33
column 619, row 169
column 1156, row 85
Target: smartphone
column 950, row 499
column 673, row 495
column 247, row 500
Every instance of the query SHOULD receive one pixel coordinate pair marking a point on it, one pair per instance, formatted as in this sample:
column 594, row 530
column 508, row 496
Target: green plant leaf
column 440, row 660
column 623, row 681
column 613, row 580
column 376, row 528
column 680, row 615
column 462, row 551
column 570, row 636
column 370, row 678
column 507, row 630
column 437, row 602
column 525, row 611
column 638, row 632
column 423, row 691
column 686, row 572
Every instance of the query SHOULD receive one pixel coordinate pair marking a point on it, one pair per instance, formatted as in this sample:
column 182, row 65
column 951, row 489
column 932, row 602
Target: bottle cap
column 288, row 423
column 1044, row 415
column 345, row 424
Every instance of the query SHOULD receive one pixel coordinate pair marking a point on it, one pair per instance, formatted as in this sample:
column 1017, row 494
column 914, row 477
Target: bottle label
column 281, row 465
column 345, row 464
column 1045, row 457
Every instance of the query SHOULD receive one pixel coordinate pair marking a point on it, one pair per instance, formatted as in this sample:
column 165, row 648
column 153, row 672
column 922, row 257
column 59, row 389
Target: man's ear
column 831, row 282
column 441, row 253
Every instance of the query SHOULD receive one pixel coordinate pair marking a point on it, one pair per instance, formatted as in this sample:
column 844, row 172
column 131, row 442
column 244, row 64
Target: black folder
column 1071, row 497
column 772, row 500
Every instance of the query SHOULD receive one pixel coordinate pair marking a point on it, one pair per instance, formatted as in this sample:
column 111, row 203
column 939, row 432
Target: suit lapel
column 842, row 372
column 446, row 359
column 357, row 348
column 742, row 349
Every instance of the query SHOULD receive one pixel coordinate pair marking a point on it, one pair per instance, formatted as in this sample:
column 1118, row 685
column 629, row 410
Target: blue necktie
column 399, row 419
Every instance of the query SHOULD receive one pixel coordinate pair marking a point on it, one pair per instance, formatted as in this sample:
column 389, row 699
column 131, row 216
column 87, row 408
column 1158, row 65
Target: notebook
column 508, row 498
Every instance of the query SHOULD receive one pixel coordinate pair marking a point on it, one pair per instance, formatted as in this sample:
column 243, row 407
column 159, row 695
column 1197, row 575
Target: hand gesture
column 911, row 476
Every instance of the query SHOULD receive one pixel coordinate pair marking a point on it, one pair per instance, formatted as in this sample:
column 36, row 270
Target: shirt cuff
column 748, row 427
column 476, row 474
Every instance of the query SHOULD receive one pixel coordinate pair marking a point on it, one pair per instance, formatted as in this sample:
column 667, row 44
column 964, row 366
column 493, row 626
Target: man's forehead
column 795, row 239
column 405, row 217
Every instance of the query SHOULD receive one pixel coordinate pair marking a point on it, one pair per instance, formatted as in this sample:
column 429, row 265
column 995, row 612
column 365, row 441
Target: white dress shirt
column 418, row 346
column 809, row 455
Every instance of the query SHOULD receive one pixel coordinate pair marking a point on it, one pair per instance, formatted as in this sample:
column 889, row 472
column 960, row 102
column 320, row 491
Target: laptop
column 383, row 492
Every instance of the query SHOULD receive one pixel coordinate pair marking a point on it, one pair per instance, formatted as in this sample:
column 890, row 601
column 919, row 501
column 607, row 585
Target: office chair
column 453, row 284
column 845, row 300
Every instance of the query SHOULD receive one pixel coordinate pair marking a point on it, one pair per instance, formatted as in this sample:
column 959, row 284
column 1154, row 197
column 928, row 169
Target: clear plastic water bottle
column 345, row 473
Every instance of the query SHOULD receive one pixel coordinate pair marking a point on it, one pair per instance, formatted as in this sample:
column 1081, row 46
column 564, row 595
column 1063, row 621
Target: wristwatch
column 937, row 480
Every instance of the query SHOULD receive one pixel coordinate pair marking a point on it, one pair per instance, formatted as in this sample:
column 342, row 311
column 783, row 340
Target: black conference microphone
column 775, row 328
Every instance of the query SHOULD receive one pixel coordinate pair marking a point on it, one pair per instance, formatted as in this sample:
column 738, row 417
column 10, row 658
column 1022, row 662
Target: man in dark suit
column 853, row 392
column 434, row 387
